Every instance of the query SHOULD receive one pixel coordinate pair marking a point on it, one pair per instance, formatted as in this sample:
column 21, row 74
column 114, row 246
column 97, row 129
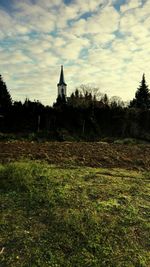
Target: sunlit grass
column 73, row 216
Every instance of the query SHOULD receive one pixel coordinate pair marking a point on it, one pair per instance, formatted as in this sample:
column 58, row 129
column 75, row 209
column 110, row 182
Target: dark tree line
column 82, row 116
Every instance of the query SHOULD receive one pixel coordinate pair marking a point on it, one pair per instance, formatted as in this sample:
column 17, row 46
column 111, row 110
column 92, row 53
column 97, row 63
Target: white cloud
column 90, row 6
column 131, row 4
column 99, row 23
column 96, row 44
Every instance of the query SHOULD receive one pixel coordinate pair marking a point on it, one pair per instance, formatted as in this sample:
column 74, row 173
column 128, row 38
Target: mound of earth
column 93, row 154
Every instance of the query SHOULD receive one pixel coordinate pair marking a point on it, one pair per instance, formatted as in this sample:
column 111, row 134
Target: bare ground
column 91, row 154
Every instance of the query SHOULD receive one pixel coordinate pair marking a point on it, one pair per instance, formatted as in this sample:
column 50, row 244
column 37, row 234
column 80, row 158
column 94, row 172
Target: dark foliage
column 80, row 117
column 5, row 98
column 142, row 96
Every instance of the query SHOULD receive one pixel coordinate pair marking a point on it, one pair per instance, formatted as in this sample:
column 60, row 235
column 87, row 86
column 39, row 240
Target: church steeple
column 62, row 85
column 62, row 80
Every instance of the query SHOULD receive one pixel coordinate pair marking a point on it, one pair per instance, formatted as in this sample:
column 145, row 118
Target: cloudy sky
column 105, row 43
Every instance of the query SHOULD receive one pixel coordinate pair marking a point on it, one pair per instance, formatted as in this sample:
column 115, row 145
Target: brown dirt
column 79, row 153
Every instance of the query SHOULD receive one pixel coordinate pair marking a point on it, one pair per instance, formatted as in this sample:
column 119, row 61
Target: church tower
column 62, row 86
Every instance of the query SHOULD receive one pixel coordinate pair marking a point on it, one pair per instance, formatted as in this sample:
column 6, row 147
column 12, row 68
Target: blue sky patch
column 119, row 3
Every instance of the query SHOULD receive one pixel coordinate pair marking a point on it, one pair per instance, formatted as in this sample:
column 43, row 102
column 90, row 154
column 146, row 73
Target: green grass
column 73, row 217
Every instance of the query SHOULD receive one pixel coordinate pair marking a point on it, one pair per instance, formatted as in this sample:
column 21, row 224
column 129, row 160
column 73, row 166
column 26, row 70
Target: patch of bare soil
column 91, row 154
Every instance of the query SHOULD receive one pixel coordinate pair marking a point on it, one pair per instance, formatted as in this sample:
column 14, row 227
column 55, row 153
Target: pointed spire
column 62, row 80
column 143, row 77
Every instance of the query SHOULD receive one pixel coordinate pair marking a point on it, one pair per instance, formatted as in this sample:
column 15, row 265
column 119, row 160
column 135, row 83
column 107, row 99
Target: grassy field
column 73, row 217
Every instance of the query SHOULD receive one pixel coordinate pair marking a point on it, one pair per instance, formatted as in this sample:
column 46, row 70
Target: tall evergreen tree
column 142, row 96
column 5, row 98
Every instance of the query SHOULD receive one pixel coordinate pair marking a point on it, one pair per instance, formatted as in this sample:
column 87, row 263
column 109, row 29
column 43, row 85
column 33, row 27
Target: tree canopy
column 142, row 96
column 5, row 98
column 86, row 115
